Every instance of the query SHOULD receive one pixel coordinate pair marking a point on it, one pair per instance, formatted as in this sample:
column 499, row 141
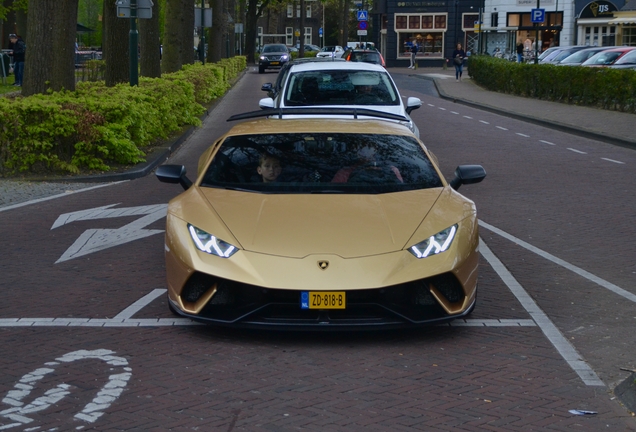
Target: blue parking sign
column 538, row 15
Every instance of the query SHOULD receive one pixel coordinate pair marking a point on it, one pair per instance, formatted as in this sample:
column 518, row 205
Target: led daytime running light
column 435, row 244
column 212, row 245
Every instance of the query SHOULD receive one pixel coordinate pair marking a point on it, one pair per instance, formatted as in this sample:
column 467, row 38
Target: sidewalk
column 608, row 126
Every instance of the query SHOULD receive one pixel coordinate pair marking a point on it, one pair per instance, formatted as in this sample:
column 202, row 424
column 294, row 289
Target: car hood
column 298, row 225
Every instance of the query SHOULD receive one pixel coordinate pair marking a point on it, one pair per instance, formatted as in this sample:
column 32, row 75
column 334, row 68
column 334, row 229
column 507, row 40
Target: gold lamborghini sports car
column 314, row 223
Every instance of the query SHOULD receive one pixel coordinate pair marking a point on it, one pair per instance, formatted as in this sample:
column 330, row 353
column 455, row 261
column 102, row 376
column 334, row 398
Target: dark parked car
column 365, row 55
column 273, row 56
column 562, row 54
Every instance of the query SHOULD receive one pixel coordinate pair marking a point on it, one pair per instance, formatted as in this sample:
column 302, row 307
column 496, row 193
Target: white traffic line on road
column 579, row 271
column 65, row 194
column 140, row 304
column 562, row 345
column 528, row 136
column 612, row 160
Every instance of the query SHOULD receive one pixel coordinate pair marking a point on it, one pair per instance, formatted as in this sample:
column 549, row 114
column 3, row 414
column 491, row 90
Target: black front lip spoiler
column 250, row 320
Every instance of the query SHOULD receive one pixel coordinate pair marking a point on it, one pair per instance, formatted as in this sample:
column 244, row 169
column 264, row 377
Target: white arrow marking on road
column 94, row 240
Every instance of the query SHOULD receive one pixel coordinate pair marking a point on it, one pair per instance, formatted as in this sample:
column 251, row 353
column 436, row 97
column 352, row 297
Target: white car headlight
column 210, row 244
column 283, row 57
column 435, row 244
column 263, row 58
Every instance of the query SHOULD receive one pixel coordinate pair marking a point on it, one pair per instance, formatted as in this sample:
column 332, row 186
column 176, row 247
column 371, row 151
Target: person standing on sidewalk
column 458, row 60
column 413, row 54
column 19, row 48
column 519, row 52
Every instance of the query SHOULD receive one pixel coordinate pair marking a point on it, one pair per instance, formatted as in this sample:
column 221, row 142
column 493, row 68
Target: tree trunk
column 172, row 35
column 216, row 33
column 150, row 62
column 39, row 51
column 250, row 31
column 64, row 32
column 345, row 22
column 116, row 50
column 188, row 50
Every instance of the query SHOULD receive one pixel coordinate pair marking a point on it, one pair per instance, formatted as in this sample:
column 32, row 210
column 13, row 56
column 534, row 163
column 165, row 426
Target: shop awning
column 623, row 20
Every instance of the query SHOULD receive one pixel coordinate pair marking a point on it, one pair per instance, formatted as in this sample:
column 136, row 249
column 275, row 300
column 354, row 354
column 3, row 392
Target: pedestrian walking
column 458, row 60
column 414, row 49
column 519, row 52
column 19, row 48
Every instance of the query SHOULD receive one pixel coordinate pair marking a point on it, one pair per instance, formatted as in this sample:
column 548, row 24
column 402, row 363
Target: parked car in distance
column 579, row 57
column 273, row 56
column 607, row 57
column 562, row 53
column 627, row 61
column 309, row 48
column 365, row 55
column 331, row 51
column 547, row 53
column 331, row 84
column 315, row 224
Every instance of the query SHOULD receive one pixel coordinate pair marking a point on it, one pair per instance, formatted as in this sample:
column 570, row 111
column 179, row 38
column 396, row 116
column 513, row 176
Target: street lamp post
column 133, row 43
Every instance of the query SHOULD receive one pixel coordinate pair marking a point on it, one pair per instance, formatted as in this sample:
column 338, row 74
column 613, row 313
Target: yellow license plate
column 323, row 300
column 274, row 63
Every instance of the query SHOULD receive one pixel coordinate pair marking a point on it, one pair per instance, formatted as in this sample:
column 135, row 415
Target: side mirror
column 173, row 174
column 412, row 104
column 266, row 103
column 467, row 174
column 267, row 87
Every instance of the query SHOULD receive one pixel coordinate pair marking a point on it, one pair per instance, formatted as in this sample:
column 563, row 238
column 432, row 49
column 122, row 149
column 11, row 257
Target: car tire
column 261, row 69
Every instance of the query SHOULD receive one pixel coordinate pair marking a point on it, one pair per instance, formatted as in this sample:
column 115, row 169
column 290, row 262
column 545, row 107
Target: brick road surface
column 455, row 378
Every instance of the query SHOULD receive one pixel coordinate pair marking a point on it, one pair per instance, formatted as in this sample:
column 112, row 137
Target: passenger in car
column 367, row 161
column 269, row 167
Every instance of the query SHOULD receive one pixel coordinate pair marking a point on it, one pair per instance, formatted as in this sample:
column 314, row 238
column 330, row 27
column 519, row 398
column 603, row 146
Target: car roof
column 336, row 65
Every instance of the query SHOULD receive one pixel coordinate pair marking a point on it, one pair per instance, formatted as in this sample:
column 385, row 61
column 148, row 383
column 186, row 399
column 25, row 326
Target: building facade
column 284, row 25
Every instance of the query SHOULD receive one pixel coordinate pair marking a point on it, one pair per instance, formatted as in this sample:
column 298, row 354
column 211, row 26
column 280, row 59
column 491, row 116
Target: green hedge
column 612, row 89
column 95, row 125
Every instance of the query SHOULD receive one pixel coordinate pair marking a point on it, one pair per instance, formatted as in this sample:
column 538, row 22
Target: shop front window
column 430, row 44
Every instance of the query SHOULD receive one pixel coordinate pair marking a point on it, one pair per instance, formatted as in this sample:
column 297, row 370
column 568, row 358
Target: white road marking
column 443, row 109
column 576, row 151
column 470, row 118
column 90, row 413
column 579, row 271
column 502, row 128
column 454, row 112
column 615, row 161
column 523, row 135
column 484, row 122
column 546, row 142
column 431, row 105
column 35, row 201
column 94, row 240
column 139, row 304
column 562, row 345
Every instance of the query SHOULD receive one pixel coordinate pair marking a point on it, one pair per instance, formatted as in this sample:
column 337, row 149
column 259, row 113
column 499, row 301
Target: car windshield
column 321, row 163
column 604, row 58
column 628, row 58
column 328, row 48
column 274, row 48
column 580, row 56
column 340, row 87
column 561, row 56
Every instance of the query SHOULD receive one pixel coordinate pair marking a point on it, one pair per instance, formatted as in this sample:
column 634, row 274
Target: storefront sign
column 598, row 9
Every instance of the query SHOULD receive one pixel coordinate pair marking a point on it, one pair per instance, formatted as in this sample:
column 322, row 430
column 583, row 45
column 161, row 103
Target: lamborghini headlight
column 210, row 244
column 435, row 244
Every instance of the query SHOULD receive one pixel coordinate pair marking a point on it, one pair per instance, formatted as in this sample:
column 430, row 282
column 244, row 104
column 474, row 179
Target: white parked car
column 331, row 51
column 343, row 85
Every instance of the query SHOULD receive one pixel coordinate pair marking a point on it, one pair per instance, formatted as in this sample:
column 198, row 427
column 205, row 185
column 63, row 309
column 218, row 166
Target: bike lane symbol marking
column 90, row 413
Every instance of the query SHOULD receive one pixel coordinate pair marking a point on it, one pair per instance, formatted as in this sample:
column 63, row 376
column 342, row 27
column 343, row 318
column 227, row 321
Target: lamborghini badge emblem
column 323, row 265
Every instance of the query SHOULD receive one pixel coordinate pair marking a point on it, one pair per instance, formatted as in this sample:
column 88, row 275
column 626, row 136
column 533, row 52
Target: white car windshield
column 340, row 87
column 321, row 163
